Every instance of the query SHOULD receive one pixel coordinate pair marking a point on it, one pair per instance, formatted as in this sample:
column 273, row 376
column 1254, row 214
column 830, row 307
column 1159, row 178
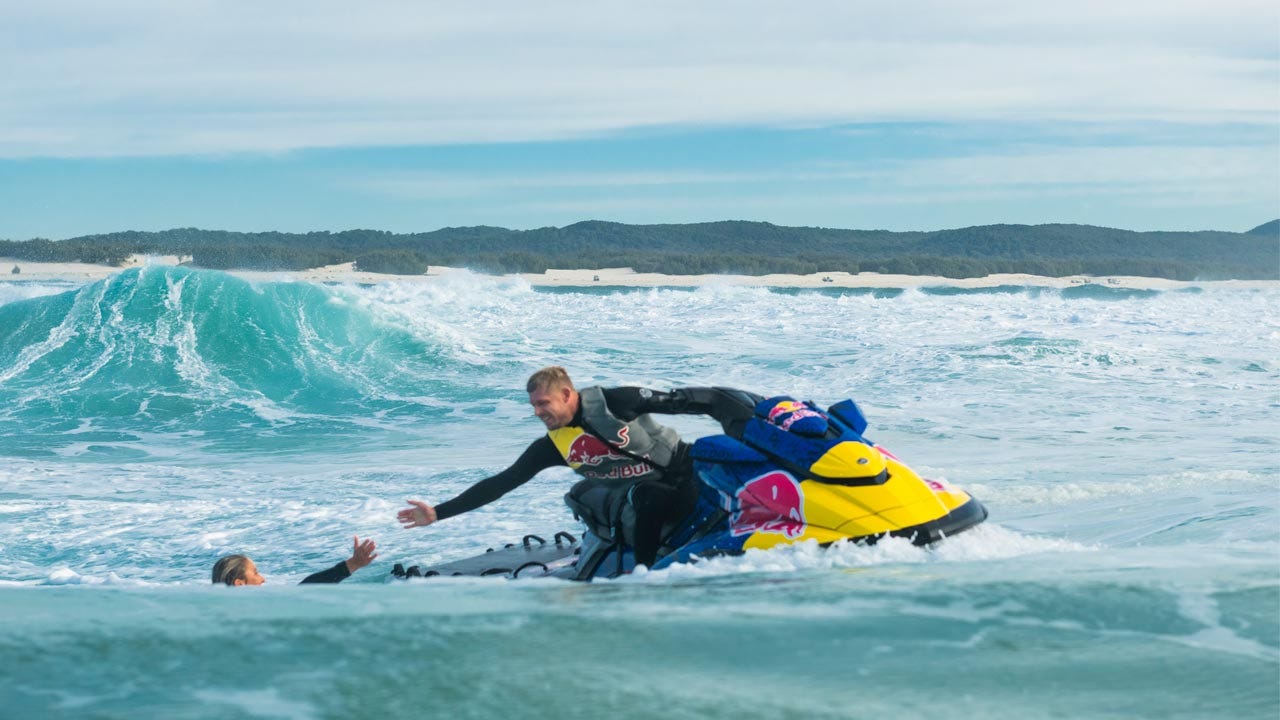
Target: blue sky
column 414, row 116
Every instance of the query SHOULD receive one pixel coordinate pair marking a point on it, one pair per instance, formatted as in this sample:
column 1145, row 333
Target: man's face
column 555, row 407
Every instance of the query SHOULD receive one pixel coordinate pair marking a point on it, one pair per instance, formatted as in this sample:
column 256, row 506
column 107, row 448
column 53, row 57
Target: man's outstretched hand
column 419, row 514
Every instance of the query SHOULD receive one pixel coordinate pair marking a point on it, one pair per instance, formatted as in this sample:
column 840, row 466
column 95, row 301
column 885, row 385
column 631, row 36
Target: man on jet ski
column 637, row 475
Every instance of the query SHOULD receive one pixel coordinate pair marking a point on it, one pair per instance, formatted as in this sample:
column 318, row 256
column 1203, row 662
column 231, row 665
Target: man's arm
column 728, row 406
column 539, row 456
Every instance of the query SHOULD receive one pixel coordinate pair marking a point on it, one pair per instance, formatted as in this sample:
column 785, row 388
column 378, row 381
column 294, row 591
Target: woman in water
column 240, row 570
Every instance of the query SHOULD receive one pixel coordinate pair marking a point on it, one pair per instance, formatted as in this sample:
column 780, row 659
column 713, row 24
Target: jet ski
column 790, row 473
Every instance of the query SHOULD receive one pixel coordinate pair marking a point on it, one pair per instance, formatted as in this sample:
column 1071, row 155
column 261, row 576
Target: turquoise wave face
column 199, row 354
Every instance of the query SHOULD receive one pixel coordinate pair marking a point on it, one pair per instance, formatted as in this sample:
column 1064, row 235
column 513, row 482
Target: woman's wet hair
column 229, row 569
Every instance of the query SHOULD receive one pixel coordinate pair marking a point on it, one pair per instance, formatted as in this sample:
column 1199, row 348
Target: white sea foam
column 266, row 703
column 986, row 542
column 18, row 291
column 1060, row 493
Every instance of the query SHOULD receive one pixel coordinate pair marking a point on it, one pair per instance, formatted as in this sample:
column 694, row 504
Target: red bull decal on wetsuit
column 592, row 457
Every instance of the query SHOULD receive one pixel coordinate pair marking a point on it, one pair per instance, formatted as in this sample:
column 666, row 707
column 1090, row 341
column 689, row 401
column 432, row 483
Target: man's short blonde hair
column 549, row 378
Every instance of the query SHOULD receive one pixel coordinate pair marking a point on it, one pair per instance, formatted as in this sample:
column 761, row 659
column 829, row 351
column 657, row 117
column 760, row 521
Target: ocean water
column 1126, row 444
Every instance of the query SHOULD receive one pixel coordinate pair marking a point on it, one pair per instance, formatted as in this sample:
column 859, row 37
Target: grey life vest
column 612, row 456
column 609, row 450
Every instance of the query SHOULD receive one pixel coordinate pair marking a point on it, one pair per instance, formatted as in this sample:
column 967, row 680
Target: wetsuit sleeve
column 539, row 456
column 728, row 406
column 335, row 574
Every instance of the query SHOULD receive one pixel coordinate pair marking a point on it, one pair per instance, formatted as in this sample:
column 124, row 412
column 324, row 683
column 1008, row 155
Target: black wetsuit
column 335, row 574
column 656, row 503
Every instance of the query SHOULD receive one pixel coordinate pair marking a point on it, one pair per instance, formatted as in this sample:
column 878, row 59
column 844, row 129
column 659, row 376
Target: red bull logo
column 771, row 503
column 589, row 450
column 786, row 406
column 789, row 412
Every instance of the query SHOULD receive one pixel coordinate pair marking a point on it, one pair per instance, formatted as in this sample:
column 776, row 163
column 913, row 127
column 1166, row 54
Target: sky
column 412, row 116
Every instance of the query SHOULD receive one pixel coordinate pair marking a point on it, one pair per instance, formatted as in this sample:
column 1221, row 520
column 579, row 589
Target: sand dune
column 345, row 273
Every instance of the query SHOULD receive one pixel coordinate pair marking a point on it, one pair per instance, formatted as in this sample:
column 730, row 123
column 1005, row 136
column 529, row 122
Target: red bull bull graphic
column 589, row 450
column 770, row 503
column 595, row 458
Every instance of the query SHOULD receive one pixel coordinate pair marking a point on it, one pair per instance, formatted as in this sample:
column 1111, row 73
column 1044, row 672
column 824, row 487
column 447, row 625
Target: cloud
column 430, row 184
column 1019, row 170
column 159, row 78
column 1100, row 167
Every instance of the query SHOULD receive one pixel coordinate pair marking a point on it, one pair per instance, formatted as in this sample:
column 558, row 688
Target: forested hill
column 1271, row 229
column 739, row 247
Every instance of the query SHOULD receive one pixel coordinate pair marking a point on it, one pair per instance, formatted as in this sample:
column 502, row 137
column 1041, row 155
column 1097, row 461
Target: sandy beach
column 624, row 277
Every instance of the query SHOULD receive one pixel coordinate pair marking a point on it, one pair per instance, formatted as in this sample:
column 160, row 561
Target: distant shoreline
column 625, row 277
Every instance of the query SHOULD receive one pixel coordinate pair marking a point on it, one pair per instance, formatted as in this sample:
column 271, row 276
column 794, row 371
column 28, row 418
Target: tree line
column 730, row 247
